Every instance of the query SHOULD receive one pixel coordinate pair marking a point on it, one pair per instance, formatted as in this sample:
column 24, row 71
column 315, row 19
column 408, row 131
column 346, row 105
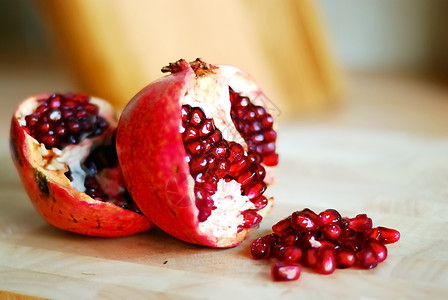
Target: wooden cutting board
column 400, row 180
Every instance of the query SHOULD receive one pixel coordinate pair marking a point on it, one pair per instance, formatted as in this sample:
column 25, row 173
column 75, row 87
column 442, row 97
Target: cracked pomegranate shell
column 197, row 151
column 63, row 148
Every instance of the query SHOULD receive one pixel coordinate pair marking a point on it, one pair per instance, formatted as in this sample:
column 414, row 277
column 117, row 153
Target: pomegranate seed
column 260, row 248
column 260, row 202
column 288, row 254
column 185, row 112
column 282, row 226
column 197, row 116
column 379, row 249
column 345, row 258
column 289, row 238
column 206, row 127
column 309, row 257
column 271, row 159
column 191, row 133
column 388, row 235
column 329, row 216
column 331, row 231
column 251, row 219
column 303, row 221
column 366, row 258
column 326, row 261
column 238, row 166
column 267, row 122
column 246, row 178
column 270, row 136
column 221, row 151
column 360, row 223
column 194, row 147
column 282, row 271
column 256, row 190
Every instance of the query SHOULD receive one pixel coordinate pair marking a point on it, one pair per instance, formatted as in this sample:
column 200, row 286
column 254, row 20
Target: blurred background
column 309, row 56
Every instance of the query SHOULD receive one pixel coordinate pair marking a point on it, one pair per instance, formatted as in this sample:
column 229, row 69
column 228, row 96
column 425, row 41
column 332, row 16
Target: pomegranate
column 64, row 150
column 197, row 149
column 323, row 242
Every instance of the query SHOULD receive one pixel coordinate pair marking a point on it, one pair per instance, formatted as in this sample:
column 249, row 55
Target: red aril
column 326, row 241
column 204, row 153
column 284, row 271
column 326, row 261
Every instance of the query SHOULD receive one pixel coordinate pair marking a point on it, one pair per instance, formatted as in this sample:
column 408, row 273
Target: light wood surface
column 383, row 153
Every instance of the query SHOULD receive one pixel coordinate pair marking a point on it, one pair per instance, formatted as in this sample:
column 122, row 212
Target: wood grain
column 384, row 154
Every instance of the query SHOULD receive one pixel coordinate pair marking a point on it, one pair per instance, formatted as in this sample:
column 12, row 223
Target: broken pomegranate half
column 197, row 149
column 63, row 146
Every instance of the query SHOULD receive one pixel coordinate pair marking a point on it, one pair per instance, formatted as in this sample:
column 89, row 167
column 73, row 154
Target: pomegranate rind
column 56, row 201
column 152, row 158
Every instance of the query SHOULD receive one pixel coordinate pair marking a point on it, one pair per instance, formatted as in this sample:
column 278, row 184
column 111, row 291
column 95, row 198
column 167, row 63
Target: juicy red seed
column 303, row 222
column 326, row 261
column 194, row 147
column 388, row 235
column 260, row 202
column 309, row 257
column 251, row 219
column 282, row 226
column 221, row 151
column 256, row 190
column 282, row 271
column 360, row 223
column 246, row 178
column 331, row 231
column 197, row 116
column 289, row 254
column 185, row 112
column 239, row 166
column 198, row 165
column 379, row 249
column 270, row 159
column 270, row 136
column 70, row 117
column 329, row 216
column 191, row 133
column 216, row 136
column 206, row 128
column 260, row 248
column 366, row 258
column 267, row 122
column 345, row 258
column 289, row 238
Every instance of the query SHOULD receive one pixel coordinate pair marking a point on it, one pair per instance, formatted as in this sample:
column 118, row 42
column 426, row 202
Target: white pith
column 225, row 219
column 211, row 93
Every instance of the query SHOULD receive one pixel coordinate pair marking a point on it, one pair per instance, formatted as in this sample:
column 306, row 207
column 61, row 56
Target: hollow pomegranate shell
column 56, row 201
column 152, row 157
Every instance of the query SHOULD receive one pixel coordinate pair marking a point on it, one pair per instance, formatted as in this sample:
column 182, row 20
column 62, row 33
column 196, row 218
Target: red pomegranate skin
column 64, row 207
column 157, row 107
column 151, row 154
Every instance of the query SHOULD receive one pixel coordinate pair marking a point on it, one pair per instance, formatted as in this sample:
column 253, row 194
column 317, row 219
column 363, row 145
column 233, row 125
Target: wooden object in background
column 117, row 47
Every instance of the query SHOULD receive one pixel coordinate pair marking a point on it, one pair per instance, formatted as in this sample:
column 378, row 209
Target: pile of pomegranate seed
column 256, row 127
column 323, row 242
column 211, row 158
column 62, row 120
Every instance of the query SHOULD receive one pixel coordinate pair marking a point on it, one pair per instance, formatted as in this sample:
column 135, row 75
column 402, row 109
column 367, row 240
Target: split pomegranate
column 197, row 149
column 63, row 146
column 323, row 242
